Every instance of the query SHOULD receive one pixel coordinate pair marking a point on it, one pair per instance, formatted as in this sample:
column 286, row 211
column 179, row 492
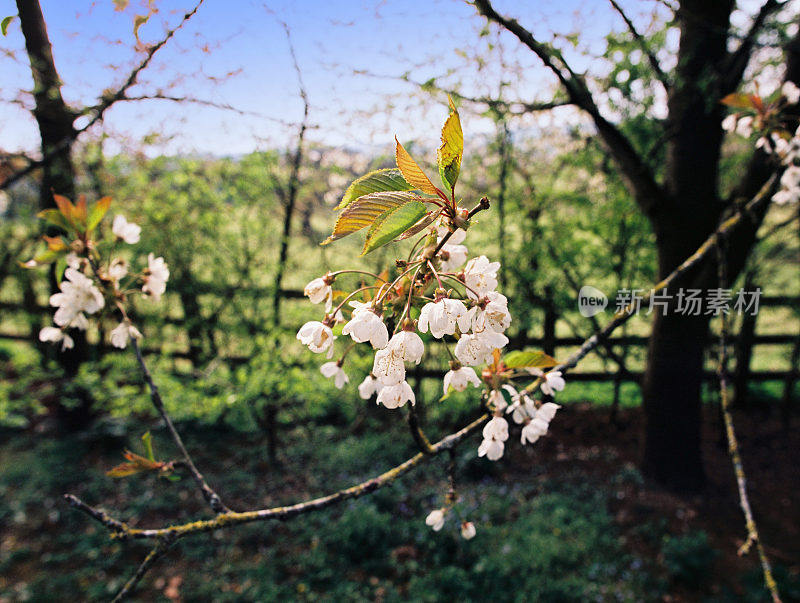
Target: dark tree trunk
column 54, row 118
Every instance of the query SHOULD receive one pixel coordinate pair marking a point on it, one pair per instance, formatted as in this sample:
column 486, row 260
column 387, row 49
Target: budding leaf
column 5, row 23
column 98, row 212
column 375, row 182
column 66, row 208
column 392, row 223
column 136, row 464
column 55, row 217
column 364, row 211
column 738, row 100
column 412, row 173
column 529, row 359
column 452, row 148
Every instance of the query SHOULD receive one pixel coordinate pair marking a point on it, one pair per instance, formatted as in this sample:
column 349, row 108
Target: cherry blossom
column 442, row 317
column 493, row 314
column 389, row 367
column 334, row 369
column 126, row 231
column 78, row 295
column 395, row 396
column 54, row 335
column 460, row 378
column 122, row 333
column 365, row 325
column 553, row 382
column 408, row 345
column 156, row 276
column 472, row 351
column 435, row 519
column 319, row 290
column 369, row 386
column 495, row 433
column 317, row 336
column 480, row 276
column 468, row 530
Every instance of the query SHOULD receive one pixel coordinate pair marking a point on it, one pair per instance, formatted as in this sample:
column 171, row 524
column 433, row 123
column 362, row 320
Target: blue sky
column 246, row 64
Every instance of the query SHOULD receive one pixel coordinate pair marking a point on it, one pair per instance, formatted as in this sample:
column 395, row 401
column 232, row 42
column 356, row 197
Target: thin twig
column 158, row 551
column 733, row 444
column 211, row 497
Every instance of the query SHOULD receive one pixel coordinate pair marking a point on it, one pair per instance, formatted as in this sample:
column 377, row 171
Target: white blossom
column 127, row 231
column 317, row 336
column 394, row 396
column 468, row 530
column 408, row 345
column 472, row 351
column 122, row 333
column 388, row 366
column 118, row 270
column 480, row 276
column 459, row 378
column 333, row 369
column 435, row 519
column 497, row 400
column 494, row 314
column 553, row 382
column 369, row 386
column 442, row 317
column 729, row 123
column 495, row 433
column 156, row 276
column 78, row 295
column 539, row 423
column 365, row 325
column 744, row 126
column 55, row 335
column 319, row 291
column 791, row 92
column 456, row 256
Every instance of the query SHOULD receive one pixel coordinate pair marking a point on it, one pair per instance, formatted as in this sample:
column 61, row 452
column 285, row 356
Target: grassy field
column 570, row 519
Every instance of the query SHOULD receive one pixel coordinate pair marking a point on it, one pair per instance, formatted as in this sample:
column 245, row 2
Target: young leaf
column 412, row 173
column 365, row 210
column 147, row 440
column 98, row 212
column 66, row 208
column 529, row 359
column 55, row 243
column 392, row 223
column 738, row 100
column 80, row 212
column 375, row 182
column 55, row 217
column 136, row 464
column 452, row 148
column 5, row 23
column 419, row 226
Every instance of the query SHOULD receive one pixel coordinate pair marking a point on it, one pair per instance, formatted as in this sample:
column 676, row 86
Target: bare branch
column 211, row 497
column 645, row 47
column 634, row 169
column 158, row 551
column 105, row 103
column 737, row 61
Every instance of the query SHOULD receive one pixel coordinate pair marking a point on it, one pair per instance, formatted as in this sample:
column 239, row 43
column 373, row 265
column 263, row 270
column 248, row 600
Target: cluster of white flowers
column 476, row 319
column 80, row 294
column 783, row 144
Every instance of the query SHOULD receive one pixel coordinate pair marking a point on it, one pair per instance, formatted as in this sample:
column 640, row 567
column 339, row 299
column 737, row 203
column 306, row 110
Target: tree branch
column 645, row 47
column 635, row 171
column 211, row 497
column 737, row 61
column 106, row 101
column 158, row 551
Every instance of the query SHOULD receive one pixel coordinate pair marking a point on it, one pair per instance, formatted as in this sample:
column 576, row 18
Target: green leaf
column 386, row 180
column 147, row 440
column 98, row 212
column 419, row 226
column 452, row 148
column 412, row 173
column 56, row 218
column 529, row 359
column 5, row 23
column 393, row 223
column 365, row 210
